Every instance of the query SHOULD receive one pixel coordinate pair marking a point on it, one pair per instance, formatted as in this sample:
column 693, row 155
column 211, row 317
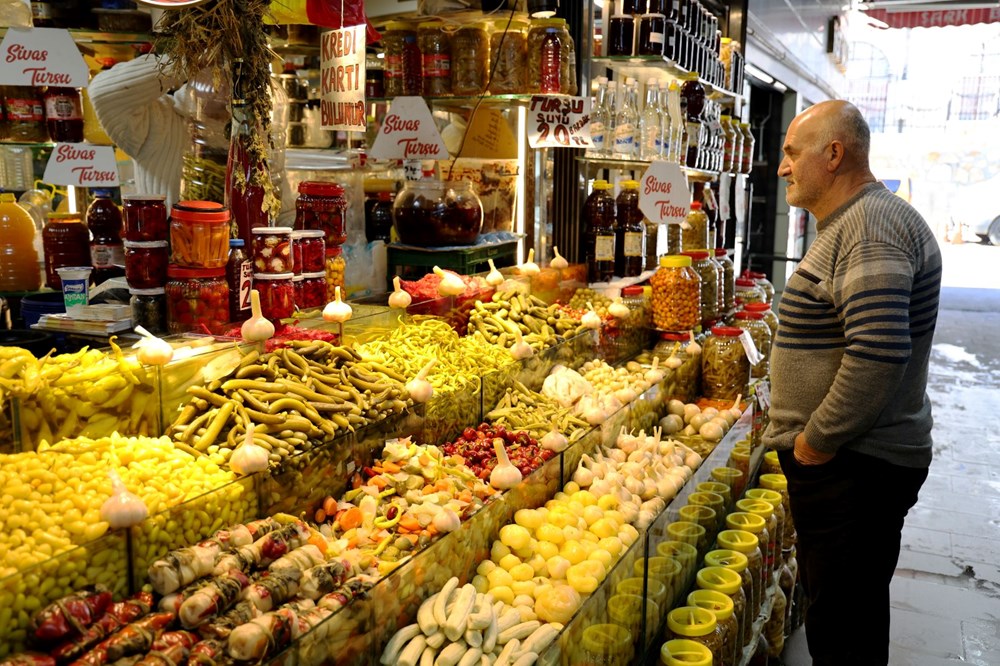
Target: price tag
column 559, row 122
column 753, row 355
column 489, row 137
column 82, row 165
column 663, row 193
column 342, row 79
column 42, row 57
column 408, row 132
column 764, row 394
column 725, row 183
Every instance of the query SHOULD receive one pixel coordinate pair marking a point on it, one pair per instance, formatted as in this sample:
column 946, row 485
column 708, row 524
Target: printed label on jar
column 394, row 67
column 633, row 244
column 656, row 37
column 107, row 256
column 24, row 110
column 63, row 108
column 436, row 65
column 604, row 248
column 753, row 355
column 246, row 284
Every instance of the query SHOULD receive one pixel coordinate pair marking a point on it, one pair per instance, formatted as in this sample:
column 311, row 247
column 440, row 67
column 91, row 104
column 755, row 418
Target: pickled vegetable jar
column 272, row 250
column 685, row 377
column 145, row 217
column 683, row 652
column 470, row 59
column 761, row 280
column 509, row 57
column 66, row 242
column 335, row 269
column 402, row 60
column 322, row 206
column 146, row 264
column 676, row 295
column 197, row 299
column 747, row 543
column 199, row 234
column 723, row 608
column 709, row 274
column 608, row 644
column 431, row 213
column 698, row 625
column 762, row 508
column 753, row 322
column 773, row 498
column 726, row 571
column 149, row 309
column 696, row 236
column 768, row 315
column 313, row 290
column 728, row 279
column 277, row 295
column 308, row 251
column 747, row 291
column 435, row 58
column 725, row 369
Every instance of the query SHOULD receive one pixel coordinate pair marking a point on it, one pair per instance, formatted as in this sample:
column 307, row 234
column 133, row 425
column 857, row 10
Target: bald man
column 850, row 416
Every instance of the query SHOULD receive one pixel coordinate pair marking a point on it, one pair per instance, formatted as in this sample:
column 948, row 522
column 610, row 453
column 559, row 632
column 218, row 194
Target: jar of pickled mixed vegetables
column 698, row 625
column 747, row 291
column 723, row 608
column 277, row 295
column 725, row 369
column 728, row 279
column 764, row 309
column 708, row 271
column 753, row 323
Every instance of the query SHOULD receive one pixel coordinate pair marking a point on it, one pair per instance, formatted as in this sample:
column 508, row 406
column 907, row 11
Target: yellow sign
column 489, row 137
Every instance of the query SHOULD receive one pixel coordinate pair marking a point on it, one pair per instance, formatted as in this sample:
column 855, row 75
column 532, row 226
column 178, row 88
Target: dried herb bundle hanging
column 210, row 36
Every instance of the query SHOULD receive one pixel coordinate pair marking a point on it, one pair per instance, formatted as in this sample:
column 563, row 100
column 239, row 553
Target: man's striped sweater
column 856, row 321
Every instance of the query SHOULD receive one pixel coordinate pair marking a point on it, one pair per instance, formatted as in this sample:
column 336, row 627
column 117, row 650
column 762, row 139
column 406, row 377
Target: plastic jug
column 18, row 259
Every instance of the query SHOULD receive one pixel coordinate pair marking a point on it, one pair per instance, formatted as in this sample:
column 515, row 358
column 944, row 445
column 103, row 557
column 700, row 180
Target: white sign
column 725, row 182
column 42, row 57
column 408, row 132
column 559, row 122
column 663, row 193
column 82, row 165
column 342, row 79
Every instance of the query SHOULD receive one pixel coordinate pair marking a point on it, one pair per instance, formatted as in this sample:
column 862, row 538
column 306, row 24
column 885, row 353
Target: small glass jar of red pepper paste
column 322, row 206
column 197, row 299
column 277, row 295
column 145, row 264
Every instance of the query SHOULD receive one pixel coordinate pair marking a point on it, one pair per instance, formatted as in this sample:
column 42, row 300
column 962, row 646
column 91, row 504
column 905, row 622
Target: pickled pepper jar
column 470, row 59
column 720, row 564
column 761, row 280
column 779, row 484
column 509, row 57
column 696, row 236
column 676, row 295
column 725, row 369
column 749, row 545
column 709, row 273
column 753, row 322
column 699, row 625
column 773, row 498
column 723, row 608
column 747, row 291
column 682, row 652
column 728, row 280
column 757, row 526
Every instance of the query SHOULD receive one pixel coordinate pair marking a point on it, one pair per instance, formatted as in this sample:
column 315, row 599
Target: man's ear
column 836, row 153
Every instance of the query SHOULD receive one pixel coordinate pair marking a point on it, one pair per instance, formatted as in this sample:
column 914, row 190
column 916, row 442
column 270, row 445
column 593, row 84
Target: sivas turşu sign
column 342, row 79
column 408, row 132
column 664, row 197
column 82, row 165
column 41, row 57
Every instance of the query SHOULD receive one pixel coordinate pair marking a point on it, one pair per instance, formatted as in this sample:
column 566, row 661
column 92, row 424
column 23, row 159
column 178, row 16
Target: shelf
column 465, row 100
column 699, row 175
column 98, row 37
column 647, row 67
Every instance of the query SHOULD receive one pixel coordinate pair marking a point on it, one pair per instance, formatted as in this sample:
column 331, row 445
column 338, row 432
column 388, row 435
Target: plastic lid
column 771, row 457
column 691, row 621
column 65, row 217
column 738, row 540
column 714, row 487
column 727, row 474
column 181, row 272
column 758, row 507
column 275, row 231
column 236, row 242
column 745, row 282
column 696, row 255
column 705, row 498
column 725, row 117
column 398, row 25
column 675, row 261
column 145, row 244
column 679, row 550
column 299, row 278
column 721, row 252
column 684, row 652
column 320, row 188
column 683, row 530
column 726, row 331
column 200, row 211
column 273, row 276
column 757, row 276
column 744, row 315
column 741, row 520
column 695, row 205
column 606, row 639
column 316, row 275
column 144, row 197
column 630, row 184
column 634, row 290
column 774, row 481
column 500, row 25
column 656, row 589
column 772, row 497
column 697, row 513
column 727, row 559
column 756, row 307
column 674, row 336
column 602, row 185
column 155, row 291
column 713, row 600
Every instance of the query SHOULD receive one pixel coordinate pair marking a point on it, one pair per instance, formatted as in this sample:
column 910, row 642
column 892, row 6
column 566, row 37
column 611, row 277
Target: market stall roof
column 924, row 14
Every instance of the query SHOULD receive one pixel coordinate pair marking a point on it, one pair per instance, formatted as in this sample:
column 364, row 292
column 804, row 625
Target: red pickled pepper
column 245, row 193
column 70, row 615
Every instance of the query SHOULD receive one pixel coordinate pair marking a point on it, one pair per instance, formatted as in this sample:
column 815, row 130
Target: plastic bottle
column 107, row 253
column 64, row 114
column 66, row 241
column 626, row 122
column 600, row 121
column 599, row 223
column 629, row 232
column 239, row 277
column 18, row 259
column 550, row 64
column 649, row 124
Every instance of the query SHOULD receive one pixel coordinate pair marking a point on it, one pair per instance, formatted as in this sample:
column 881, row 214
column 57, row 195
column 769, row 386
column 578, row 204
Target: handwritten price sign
column 409, row 133
column 82, row 165
column 663, row 193
column 41, row 57
column 559, row 122
column 342, row 79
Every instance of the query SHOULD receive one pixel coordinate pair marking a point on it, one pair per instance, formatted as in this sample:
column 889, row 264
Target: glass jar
column 64, row 114
column 239, row 279
column 726, row 571
column 739, row 459
column 146, row 264
column 698, row 625
column 746, row 157
column 621, row 35
column 656, row 596
column 700, row 515
column 779, row 484
column 431, row 213
column 149, row 309
column 682, row 652
column 761, row 281
column 753, row 322
column 435, row 58
column 713, row 501
column 313, row 290
column 277, row 295
column 686, row 554
column 470, row 59
column 630, row 232
column 747, row 291
column 651, row 31
column 728, row 280
column 725, row 369
column 765, row 311
column 746, row 543
column 374, row 79
column 772, row 549
column 773, row 498
column 728, row 144
column 625, row 610
column 696, row 236
column 197, row 299
column 693, row 103
column 509, row 57
column 309, row 251
column 145, row 217
column 606, row 644
column 66, row 242
column 336, row 267
column 544, row 57
column 722, row 606
column 272, row 250
column 322, row 205
column 104, row 220
column 378, row 218
column 199, row 234
column 748, row 523
column 599, row 232
column 676, row 295
column 402, row 60
column 709, row 275
column 24, row 110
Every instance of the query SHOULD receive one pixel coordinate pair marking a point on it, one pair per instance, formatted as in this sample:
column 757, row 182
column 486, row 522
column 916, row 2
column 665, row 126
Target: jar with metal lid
column 725, row 369
column 606, row 644
column 322, row 205
column 761, row 280
column 199, row 234
column 747, row 291
column 682, row 382
column 651, row 31
column 277, row 295
column 336, row 267
column 753, row 322
column 708, row 271
column 297, row 288
column 772, row 549
column 683, row 652
column 271, row 250
column 66, row 242
column 698, row 625
column 197, row 299
column 621, row 35
column 145, row 217
column 757, row 526
column 149, row 309
column 509, row 57
column 435, row 58
column 402, row 60
column 767, row 313
column 726, row 571
column 676, row 295
column 545, row 47
column 728, row 279
column 470, row 59
column 722, row 606
column 696, row 236
column 146, row 264
column 773, row 498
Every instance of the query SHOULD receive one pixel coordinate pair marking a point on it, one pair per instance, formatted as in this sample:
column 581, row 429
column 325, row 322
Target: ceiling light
column 543, row 8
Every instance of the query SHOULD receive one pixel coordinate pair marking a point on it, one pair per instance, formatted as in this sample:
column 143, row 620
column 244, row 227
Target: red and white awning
column 935, row 17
